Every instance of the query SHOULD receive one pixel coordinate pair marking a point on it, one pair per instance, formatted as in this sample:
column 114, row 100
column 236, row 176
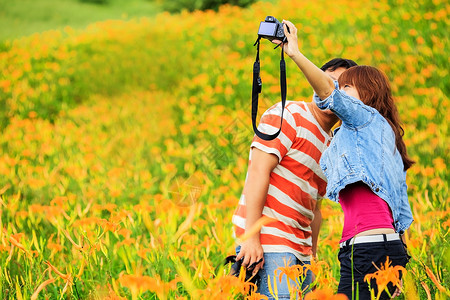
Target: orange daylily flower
column 317, row 266
column 107, row 293
column 385, row 275
column 436, row 281
column 13, row 241
column 325, row 294
column 65, row 277
column 77, row 246
column 54, row 246
column 140, row 283
column 427, row 289
column 256, row 296
column 41, row 287
column 227, row 287
column 292, row 272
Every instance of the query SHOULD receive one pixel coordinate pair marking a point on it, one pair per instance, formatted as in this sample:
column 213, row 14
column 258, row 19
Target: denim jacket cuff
column 401, row 228
column 327, row 103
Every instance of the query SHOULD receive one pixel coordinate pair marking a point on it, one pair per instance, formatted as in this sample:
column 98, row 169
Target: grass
column 25, row 17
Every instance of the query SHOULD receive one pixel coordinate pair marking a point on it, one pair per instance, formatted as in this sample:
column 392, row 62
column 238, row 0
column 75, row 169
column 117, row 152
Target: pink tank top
column 363, row 210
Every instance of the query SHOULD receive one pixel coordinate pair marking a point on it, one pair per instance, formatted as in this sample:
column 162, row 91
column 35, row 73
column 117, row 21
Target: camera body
column 272, row 29
column 236, row 269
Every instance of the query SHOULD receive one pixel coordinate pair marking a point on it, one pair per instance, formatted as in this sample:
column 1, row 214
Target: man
column 284, row 182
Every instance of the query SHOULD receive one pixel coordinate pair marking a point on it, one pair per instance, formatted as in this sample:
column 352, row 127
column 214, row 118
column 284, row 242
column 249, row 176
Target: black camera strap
column 257, row 88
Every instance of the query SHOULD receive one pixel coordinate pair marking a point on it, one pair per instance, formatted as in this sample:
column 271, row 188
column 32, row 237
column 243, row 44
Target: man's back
column 295, row 183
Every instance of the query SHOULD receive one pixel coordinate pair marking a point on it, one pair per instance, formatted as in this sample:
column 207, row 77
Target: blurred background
column 20, row 18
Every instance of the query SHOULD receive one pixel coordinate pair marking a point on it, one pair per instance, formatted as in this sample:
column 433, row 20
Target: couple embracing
column 361, row 164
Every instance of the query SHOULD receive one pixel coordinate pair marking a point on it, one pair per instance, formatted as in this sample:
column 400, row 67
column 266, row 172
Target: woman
column 365, row 166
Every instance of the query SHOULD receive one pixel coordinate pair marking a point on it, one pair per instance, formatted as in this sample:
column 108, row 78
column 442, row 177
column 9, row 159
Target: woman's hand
column 322, row 84
column 398, row 290
column 291, row 46
column 252, row 252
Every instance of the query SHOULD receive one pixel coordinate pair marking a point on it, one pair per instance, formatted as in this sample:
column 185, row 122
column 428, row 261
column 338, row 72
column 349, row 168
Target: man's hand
column 252, row 252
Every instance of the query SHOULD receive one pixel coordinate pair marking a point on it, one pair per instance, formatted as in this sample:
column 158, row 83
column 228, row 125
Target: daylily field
column 124, row 146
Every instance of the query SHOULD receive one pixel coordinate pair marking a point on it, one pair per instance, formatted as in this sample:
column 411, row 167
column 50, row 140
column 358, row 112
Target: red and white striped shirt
column 296, row 183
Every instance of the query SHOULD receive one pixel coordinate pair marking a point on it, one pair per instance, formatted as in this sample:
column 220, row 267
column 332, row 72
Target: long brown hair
column 374, row 90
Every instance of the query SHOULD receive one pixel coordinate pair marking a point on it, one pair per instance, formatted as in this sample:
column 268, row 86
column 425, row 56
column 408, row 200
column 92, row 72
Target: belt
column 370, row 239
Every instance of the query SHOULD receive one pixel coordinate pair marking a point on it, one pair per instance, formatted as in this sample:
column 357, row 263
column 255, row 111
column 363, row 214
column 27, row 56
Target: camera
column 272, row 29
column 236, row 269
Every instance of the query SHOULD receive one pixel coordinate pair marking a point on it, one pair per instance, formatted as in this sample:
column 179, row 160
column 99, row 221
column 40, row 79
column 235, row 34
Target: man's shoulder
column 297, row 107
column 291, row 106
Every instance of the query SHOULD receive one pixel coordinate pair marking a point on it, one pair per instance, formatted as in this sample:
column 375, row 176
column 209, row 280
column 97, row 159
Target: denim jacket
column 363, row 149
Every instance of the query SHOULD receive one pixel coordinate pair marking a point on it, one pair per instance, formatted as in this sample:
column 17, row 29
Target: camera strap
column 257, row 88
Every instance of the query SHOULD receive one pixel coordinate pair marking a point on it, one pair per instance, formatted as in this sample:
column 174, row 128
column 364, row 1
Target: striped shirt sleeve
column 269, row 124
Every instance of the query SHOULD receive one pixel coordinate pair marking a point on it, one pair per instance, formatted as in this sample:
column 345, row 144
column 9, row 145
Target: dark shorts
column 363, row 256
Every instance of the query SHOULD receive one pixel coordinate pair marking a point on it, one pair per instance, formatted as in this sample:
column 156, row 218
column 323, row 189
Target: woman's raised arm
column 321, row 83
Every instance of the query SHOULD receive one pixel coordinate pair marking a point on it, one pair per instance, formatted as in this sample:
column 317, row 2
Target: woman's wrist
column 296, row 55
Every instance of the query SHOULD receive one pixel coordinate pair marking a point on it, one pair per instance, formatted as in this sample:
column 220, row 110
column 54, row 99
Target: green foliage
column 103, row 2
column 26, row 17
column 191, row 5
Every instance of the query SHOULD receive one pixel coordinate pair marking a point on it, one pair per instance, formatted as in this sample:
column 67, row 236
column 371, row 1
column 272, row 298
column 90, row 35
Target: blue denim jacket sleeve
column 405, row 211
column 350, row 110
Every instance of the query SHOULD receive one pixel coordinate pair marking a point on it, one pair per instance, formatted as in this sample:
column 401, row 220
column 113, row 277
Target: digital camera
column 236, row 269
column 272, row 29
